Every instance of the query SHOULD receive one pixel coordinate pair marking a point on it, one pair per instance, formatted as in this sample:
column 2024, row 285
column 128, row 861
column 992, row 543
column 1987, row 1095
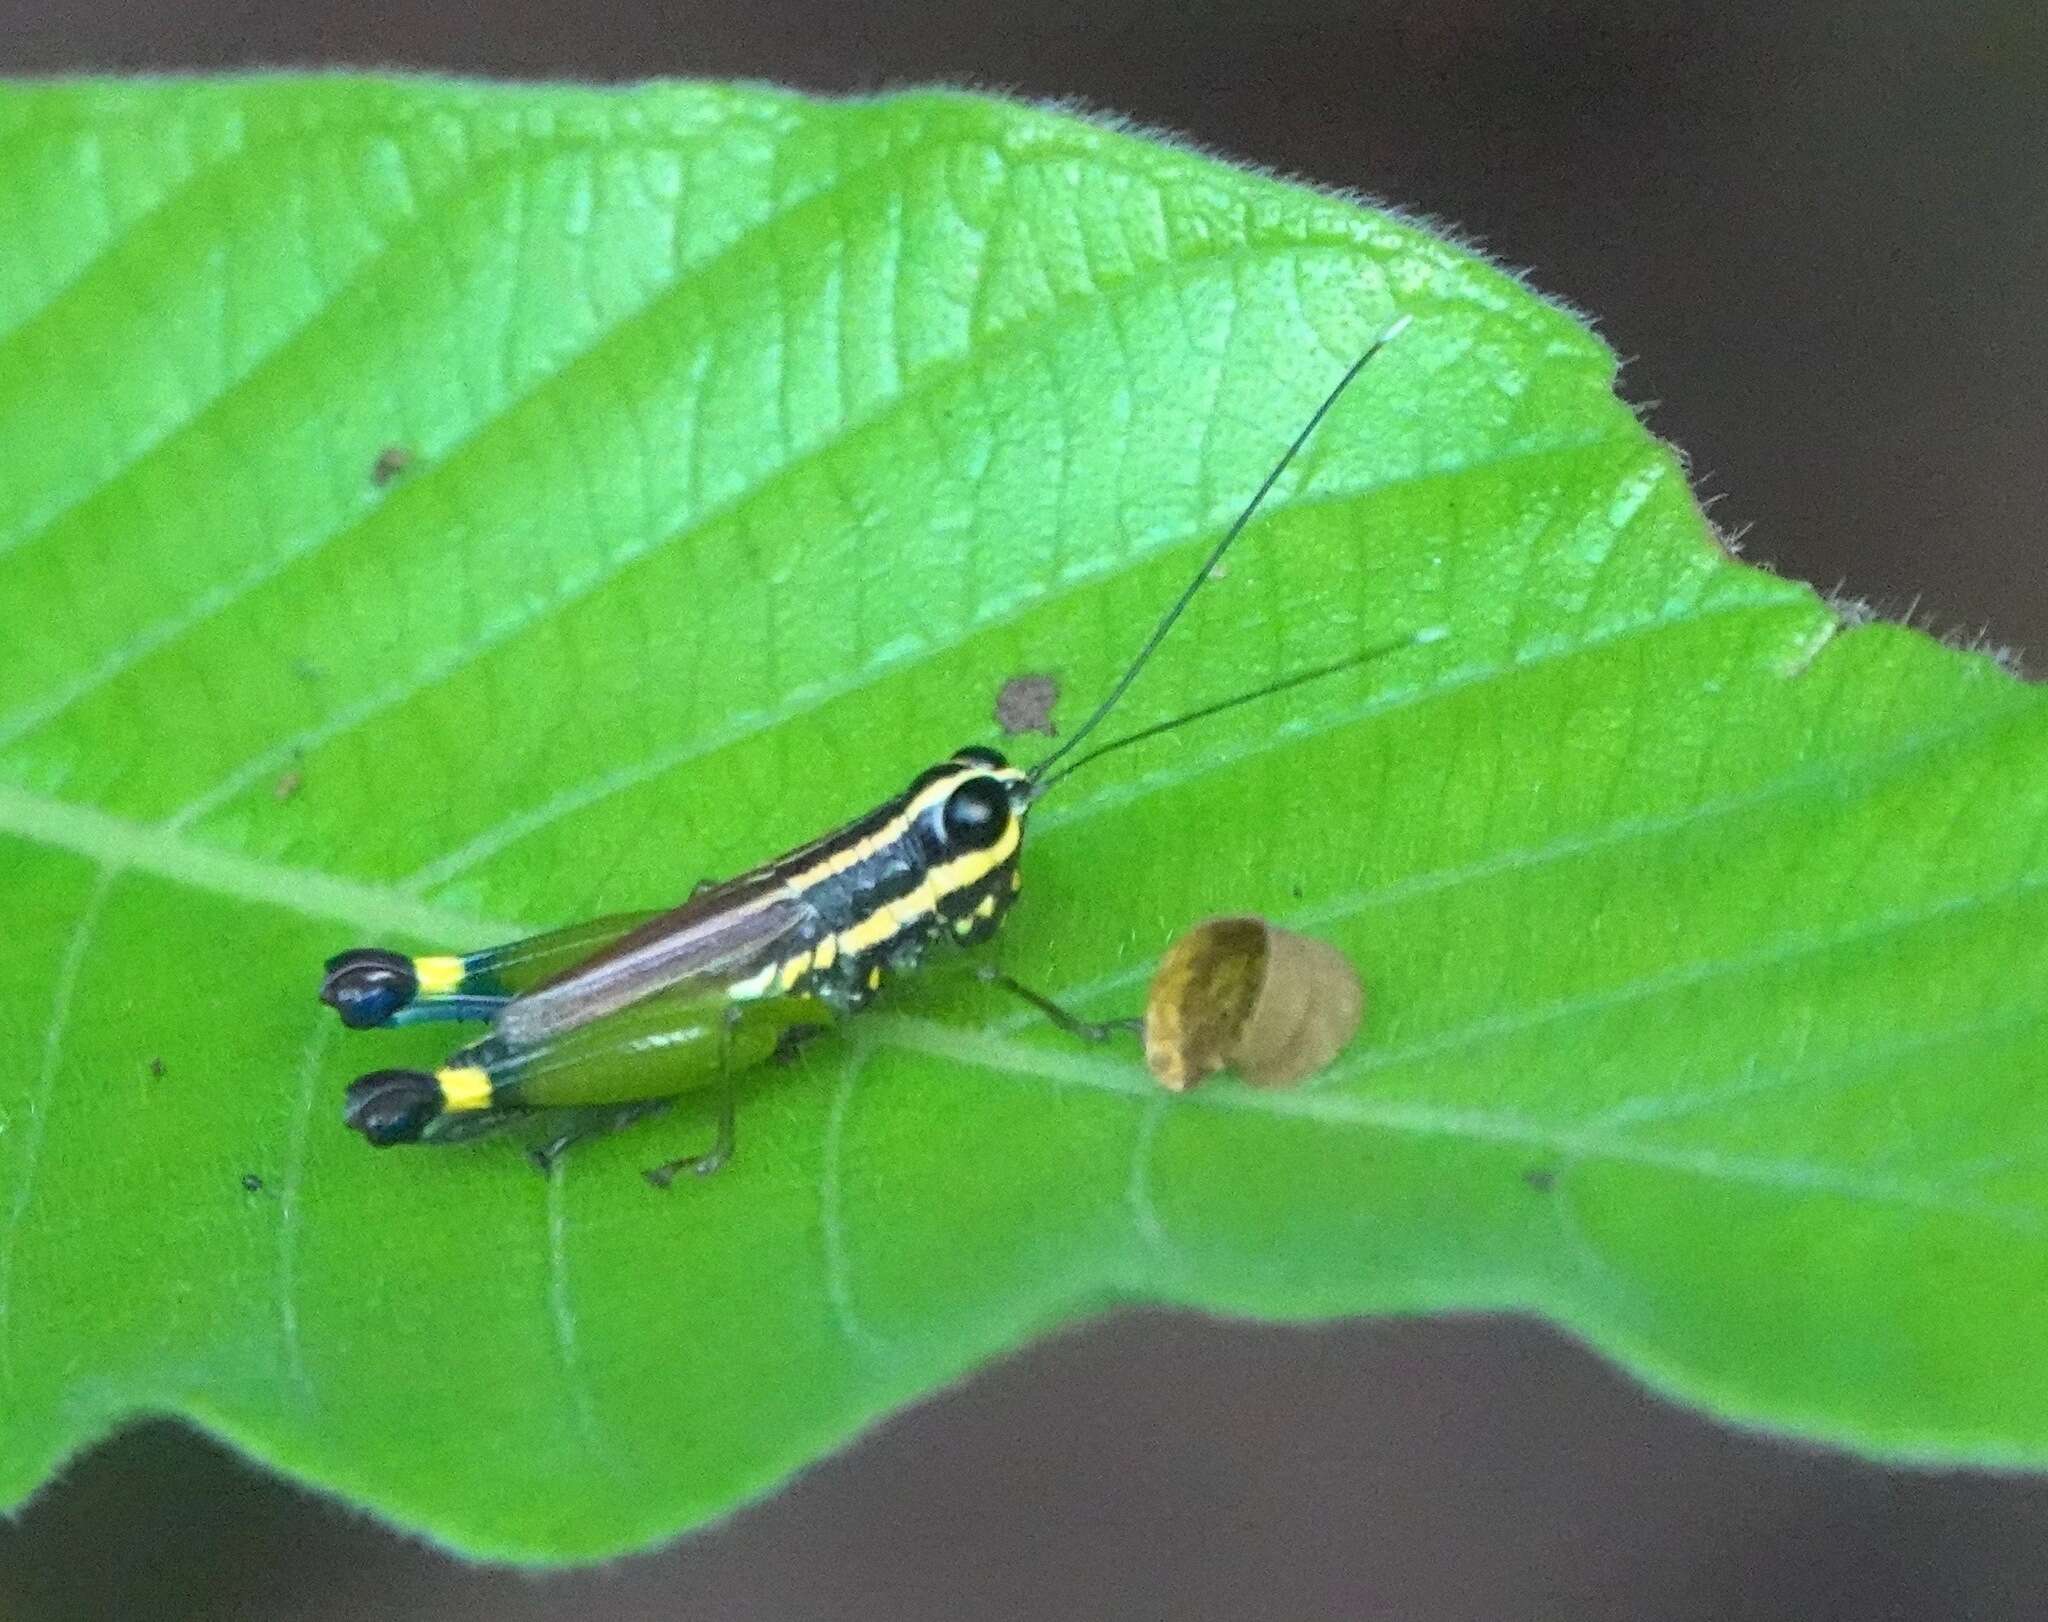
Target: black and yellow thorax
column 938, row 860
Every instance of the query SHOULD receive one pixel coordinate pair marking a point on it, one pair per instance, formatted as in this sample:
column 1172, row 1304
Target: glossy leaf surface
column 429, row 511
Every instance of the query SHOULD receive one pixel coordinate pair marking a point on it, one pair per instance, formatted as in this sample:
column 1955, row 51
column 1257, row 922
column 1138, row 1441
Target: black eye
column 976, row 813
column 976, row 754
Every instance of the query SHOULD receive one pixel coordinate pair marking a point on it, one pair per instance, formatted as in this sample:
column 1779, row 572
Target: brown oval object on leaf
column 1238, row 993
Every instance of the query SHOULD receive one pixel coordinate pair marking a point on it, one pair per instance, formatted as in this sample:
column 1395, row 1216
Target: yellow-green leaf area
column 430, row 512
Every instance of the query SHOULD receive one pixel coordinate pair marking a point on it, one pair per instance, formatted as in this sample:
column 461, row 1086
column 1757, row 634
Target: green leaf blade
column 749, row 444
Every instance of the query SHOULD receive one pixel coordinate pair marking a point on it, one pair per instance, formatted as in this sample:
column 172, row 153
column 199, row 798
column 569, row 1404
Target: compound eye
column 976, row 814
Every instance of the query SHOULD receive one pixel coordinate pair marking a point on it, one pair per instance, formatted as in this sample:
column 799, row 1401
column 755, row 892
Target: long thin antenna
column 1166, row 620
column 1433, row 633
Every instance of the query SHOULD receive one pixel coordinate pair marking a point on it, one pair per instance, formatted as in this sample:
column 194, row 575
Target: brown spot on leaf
column 288, row 784
column 1025, row 704
column 1540, row 1178
column 391, row 461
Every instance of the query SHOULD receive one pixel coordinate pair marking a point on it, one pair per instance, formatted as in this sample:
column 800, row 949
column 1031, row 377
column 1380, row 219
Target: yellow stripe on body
column 438, row 976
column 464, row 1087
column 961, row 873
column 755, row 985
column 890, row 918
column 876, row 927
column 935, row 793
column 883, row 837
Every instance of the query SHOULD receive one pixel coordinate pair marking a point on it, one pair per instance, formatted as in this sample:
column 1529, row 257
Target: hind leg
column 580, row 1125
column 593, row 1078
column 728, row 1109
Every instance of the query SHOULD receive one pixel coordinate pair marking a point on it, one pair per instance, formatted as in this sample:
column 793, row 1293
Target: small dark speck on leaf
column 156, row 1068
column 391, row 461
column 288, row 784
column 1025, row 705
column 1540, row 1178
column 252, row 1182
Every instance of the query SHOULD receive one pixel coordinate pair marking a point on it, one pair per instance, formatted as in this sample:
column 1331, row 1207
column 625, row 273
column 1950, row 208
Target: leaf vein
column 594, row 790
column 1822, row 778
column 214, row 166
column 562, row 1316
column 537, row 608
column 289, row 1221
column 39, row 1101
column 1138, row 1198
column 308, row 892
column 516, row 164
column 838, row 1263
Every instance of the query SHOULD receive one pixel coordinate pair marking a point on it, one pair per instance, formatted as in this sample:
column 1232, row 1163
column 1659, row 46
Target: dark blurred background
column 1821, row 230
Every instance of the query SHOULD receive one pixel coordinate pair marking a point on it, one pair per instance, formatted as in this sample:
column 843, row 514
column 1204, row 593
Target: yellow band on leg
column 464, row 1087
column 438, row 976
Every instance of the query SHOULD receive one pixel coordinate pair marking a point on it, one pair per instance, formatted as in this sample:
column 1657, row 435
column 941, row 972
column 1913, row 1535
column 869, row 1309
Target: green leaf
column 430, row 511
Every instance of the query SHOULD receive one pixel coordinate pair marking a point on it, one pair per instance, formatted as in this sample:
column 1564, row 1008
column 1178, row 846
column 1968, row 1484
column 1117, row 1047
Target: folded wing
column 721, row 934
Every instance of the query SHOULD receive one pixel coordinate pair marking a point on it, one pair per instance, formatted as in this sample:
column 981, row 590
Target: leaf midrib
column 118, row 846
column 124, row 846
column 1010, row 1057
